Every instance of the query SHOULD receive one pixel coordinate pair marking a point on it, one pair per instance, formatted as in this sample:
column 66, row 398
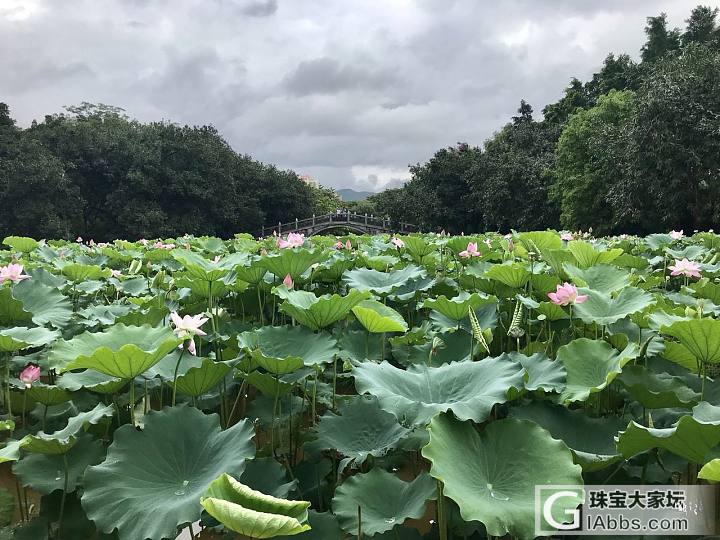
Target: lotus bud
column 30, row 374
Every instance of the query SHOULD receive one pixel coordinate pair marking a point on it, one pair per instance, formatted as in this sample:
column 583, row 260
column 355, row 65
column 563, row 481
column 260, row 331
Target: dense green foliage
column 97, row 174
column 411, row 387
column 633, row 149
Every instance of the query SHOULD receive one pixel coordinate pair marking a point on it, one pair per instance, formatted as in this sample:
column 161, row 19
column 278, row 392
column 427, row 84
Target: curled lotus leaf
column 252, row 513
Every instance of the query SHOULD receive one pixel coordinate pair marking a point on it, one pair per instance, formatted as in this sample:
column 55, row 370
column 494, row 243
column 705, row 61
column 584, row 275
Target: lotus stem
column 177, row 367
column 441, row 517
column 132, row 402
column 20, row 501
column 24, row 407
column 64, row 493
column 359, row 534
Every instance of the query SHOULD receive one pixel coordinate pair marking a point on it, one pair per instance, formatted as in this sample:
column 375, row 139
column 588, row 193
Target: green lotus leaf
column 292, row 261
column 604, row 278
column 708, row 290
column 47, row 394
column 513, row 275
column 11, row 310
column 492, row 475
column 198, row 380
column 691, row 437
column 166, row 467
column 540, row 241
column 46, row 473
column 252, row 513
column 381, row 283
column 458, row 307
column 21, row 244
column 357, row 345
column 252, row 273
column 201, row 288
column 591, row 365
column 324, row 526
column 410, row 290
column 18, row 338
column 11, row 451
column 456, row 348
column 361, row 429
column 77, row 273
column 602, row 308
column 657, row 390
column 285, row 349
column 592, row 440
column 415, row 395
column 268, row 476
column 204, row 269
column 417, row 247
column 90, row 380
column 45, row 305
column 63, row 440
column 586, row 255
column 377, row 318
column 268, row 385
column 710, row 471
column 120, row 351
column 543, row 373
column 318, row 312
column 699, row 336
column 679, row 354
column 384, row 500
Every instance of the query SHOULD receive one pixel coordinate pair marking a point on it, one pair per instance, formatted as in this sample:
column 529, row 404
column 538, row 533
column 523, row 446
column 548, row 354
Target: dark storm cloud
column 261, row 8
column 351, row 92
column 328, row 76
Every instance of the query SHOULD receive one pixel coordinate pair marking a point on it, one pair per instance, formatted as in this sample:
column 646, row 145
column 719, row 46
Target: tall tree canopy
column 96, row 173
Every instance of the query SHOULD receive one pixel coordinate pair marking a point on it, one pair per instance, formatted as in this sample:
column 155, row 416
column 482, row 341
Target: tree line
column 93, row 172
column 636, row 149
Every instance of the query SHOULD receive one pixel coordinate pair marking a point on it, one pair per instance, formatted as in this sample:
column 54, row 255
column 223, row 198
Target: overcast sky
column 348, row 91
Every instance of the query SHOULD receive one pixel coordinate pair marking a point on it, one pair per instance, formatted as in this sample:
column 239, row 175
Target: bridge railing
column 339, row 218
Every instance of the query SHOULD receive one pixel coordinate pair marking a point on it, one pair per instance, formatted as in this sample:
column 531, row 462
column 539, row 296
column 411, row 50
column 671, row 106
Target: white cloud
column 350, row 92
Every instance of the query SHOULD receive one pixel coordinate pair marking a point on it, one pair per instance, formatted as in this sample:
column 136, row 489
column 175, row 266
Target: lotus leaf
column 167, row 467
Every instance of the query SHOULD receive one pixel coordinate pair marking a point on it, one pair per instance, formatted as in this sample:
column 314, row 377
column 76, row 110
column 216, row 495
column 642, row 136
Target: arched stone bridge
column 357, row 223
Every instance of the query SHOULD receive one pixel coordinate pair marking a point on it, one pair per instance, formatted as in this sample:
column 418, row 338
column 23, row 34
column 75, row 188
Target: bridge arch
column 358, row 223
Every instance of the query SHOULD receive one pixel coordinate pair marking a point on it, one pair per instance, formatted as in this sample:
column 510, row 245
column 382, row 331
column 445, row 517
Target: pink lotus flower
column 348, row 245
column 339, row 245
column 567, row 294
column 187, row 328
column 293, row 240
column 566, row 236
column 288, row 282
column 12, row 272
column 30, row 374
column 676, row 235
column 143, row 241
column 115, row 273
column 397, row 243
column 471, row 251
column 79, row 239
column 685, row 268
column 161, row 245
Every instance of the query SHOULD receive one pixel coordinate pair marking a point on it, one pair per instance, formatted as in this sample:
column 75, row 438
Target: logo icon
column 557, row 508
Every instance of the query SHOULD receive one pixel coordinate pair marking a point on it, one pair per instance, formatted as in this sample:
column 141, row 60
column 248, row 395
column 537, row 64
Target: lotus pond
column 355, row 387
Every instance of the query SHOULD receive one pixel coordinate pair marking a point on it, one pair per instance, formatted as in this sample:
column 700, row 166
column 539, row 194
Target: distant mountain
column 352, row 195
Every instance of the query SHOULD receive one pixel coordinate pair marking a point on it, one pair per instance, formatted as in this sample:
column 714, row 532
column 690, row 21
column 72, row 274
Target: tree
column 660, row 40
column 35, row 195
column 701, row 27
column 511, row 179
column 591, row 162
column 438, row 194
column 676, row 143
